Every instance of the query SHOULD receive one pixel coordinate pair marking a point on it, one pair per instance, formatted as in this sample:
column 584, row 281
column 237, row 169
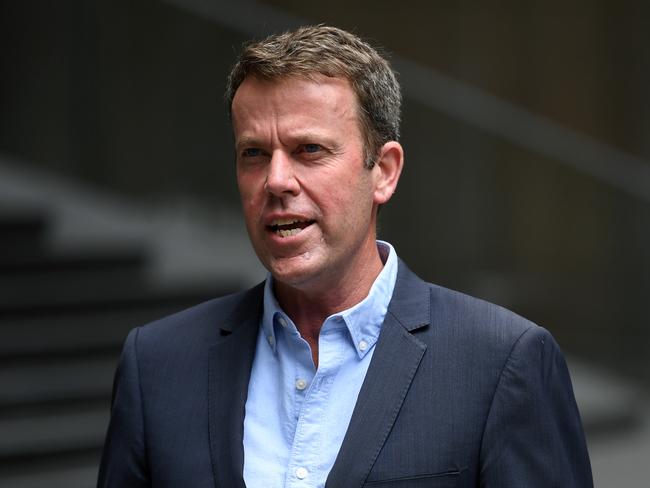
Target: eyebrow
column 302, row 137
column 247, row 142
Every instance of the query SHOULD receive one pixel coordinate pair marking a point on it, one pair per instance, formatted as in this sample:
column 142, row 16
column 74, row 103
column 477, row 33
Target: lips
column 287, row 227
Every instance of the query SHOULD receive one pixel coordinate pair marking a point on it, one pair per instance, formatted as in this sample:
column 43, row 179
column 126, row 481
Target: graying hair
column 331, row 52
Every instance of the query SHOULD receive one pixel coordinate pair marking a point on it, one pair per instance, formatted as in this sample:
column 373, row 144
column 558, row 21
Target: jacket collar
column 411, row 301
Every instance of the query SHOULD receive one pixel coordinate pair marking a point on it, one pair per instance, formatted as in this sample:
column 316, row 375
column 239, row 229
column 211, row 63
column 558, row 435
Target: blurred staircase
column 63, row 318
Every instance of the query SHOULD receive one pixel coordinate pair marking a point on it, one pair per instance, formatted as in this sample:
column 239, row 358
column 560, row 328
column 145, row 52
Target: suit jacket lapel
column 229, row 369
column 394, row 364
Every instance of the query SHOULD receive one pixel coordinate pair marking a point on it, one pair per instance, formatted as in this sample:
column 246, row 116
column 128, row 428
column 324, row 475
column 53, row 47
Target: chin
column 295, row 274
column 292, row 277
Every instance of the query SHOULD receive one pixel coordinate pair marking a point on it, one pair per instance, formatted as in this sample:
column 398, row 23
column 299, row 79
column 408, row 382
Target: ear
column 387, row 171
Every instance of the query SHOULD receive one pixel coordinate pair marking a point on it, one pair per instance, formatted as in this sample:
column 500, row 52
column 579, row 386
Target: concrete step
column 51, row 433
column 68, row 276
column 56, row 381
column 52, row 445
column 78, row 260
column 120, row 298
column 76, row 476
column 75, row 330
column 22, row 231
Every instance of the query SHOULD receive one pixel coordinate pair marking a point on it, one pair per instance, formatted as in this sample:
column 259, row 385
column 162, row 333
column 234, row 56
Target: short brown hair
column 336, row 53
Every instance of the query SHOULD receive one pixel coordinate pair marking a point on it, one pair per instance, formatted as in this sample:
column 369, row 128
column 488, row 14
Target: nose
column 281, row 179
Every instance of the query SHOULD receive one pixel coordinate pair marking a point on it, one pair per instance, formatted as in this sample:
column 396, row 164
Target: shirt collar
column 362, row 320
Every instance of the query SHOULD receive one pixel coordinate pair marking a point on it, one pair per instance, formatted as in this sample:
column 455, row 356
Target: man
column 343, row 369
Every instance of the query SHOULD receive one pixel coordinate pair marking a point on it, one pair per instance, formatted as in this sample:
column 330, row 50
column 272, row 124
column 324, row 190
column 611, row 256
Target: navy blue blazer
column 459, row 393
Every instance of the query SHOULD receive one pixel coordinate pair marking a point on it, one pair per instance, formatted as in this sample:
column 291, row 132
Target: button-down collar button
column 301, row 384
column 271, row 340
column 363, row 345
column 301, row 473
column 283, row 321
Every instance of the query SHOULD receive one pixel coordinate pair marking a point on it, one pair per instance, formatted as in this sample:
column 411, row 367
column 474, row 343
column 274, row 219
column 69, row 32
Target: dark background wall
column 123, row 94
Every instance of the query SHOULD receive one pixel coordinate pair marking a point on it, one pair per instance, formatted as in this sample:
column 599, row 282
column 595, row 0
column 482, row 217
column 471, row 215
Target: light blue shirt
column 297, row 415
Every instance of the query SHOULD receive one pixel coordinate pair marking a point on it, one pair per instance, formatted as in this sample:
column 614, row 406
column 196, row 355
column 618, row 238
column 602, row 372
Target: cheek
column 243, row 182
column 349, row 209
column 248, row 189
column 249, row 206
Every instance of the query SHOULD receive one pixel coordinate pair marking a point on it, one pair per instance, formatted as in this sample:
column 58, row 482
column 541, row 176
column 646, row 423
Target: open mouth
column 289, row 227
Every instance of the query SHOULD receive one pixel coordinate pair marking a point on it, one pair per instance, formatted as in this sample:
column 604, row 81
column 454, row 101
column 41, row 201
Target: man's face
column 306, row 196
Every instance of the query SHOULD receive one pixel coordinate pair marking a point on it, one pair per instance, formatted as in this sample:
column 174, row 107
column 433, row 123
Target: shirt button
column 301, row 473
column 271, row 340
column 301, row 384
column 363, row 345
column 283, row 321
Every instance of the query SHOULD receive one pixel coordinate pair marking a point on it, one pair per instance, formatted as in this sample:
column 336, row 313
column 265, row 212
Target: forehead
column 315, row 99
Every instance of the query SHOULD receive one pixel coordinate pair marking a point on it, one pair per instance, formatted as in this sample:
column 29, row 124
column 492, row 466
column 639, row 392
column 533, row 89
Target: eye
column 251, row 152
column 310, row 148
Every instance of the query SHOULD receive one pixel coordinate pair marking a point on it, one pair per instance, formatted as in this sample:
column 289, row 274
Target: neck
column 310, row 304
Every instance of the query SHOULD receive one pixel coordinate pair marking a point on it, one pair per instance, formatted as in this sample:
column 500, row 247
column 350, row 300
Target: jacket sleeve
column 533, row 435
column 124, row 455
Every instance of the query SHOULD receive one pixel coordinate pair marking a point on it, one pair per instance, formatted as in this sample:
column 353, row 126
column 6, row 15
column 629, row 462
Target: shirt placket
column 303, row 462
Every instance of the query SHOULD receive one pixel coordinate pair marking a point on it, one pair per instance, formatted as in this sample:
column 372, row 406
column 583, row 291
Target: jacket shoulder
column 201, row 323
column 475, row 312
column 472, row 326
column 454, row 314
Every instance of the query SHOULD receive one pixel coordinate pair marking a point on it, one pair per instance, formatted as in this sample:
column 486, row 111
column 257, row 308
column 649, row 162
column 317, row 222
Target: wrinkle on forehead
column 258, row 101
